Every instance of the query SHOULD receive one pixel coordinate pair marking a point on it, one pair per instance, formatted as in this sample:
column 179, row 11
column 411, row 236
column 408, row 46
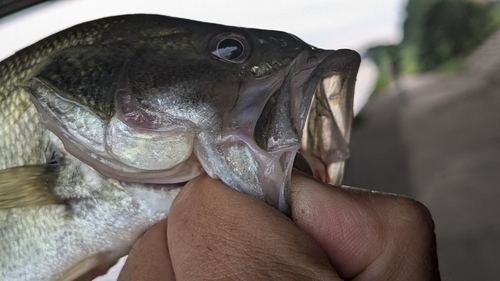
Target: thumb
column 366, row 235
column 215, row 232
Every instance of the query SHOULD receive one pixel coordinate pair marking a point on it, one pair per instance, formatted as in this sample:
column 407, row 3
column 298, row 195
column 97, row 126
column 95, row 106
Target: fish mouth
column 306, row 123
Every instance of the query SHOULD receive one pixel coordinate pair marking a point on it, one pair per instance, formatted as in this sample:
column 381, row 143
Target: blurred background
column 431, row 129
column 427, row 98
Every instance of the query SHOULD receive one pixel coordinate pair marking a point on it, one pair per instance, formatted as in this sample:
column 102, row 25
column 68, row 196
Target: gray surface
column 439, row 142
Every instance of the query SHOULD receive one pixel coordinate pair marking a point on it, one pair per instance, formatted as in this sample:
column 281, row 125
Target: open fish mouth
column 306, row 123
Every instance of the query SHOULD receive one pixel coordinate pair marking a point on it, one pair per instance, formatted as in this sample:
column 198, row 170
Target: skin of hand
column 335, row 233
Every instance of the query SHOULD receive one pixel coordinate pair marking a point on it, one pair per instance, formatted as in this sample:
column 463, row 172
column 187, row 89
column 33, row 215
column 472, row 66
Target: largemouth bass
column 102, row 124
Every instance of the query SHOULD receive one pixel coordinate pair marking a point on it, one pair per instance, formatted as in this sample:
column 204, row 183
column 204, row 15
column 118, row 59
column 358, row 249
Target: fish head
column 158, row 100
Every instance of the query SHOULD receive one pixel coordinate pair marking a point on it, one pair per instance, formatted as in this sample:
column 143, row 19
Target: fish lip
column 326, row 113
column 344, row 64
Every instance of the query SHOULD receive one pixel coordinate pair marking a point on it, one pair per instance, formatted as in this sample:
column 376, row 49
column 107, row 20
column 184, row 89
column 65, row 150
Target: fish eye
column 229, row 46
column 229, row 49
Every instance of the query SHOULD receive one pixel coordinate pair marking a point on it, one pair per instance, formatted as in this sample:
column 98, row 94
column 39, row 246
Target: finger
column 215, row 232
column 366, row 235
column 149, row 258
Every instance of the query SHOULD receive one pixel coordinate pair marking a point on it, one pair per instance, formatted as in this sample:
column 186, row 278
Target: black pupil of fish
column 229, row 49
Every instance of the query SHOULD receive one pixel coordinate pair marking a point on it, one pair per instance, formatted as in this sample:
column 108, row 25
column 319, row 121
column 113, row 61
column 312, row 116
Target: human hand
column 215, row 232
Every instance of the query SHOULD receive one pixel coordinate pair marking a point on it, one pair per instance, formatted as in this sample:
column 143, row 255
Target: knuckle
column 411, row 215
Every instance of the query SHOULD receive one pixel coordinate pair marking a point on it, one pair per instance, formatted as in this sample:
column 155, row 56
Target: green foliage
column 387, row 61
column 383, row 82
column 415, row 11
column 452, row 65
column 438, row 36
column 495, row 17
column 409, row 61
column 451, row 29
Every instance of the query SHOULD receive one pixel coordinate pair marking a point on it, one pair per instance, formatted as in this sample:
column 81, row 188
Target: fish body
column 103, row 123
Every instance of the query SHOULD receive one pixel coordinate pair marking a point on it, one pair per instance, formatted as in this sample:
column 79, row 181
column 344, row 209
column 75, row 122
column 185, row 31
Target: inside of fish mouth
column 313, row 86
column 300, row 163
column 167, row 186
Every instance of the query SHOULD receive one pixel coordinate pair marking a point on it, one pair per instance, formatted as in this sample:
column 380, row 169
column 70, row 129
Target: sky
column 326, row 24
column 323, row 23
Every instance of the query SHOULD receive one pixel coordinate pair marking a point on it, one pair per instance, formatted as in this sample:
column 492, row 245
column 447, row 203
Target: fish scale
column 103, row 123
column 16, row 108
column 22, row 141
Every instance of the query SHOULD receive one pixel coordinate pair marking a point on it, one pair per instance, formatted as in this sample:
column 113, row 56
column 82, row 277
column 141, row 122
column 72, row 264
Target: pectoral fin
column 27, row 186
